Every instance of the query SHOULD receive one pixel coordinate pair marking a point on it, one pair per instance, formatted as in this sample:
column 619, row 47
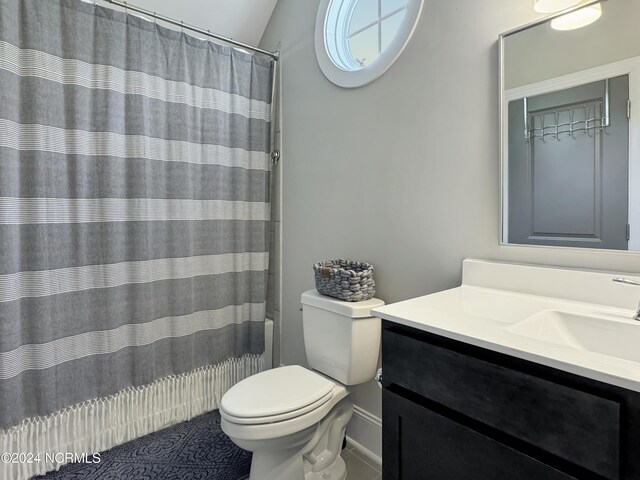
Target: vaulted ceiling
column 243, row 20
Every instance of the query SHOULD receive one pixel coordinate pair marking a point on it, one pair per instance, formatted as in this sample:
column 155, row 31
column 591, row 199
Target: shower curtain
column 134, row 226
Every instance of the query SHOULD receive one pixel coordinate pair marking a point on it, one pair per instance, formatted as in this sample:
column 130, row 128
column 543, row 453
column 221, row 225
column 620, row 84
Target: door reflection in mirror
column 569, row 167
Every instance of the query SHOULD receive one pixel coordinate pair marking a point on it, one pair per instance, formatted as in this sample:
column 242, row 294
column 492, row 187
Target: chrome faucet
column 627, row 281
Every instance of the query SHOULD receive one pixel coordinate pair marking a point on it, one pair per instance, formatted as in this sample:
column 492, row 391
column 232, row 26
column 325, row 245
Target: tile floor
column 359, row 466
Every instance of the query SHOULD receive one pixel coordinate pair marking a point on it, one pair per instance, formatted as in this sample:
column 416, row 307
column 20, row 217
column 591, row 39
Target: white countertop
column 481, row 316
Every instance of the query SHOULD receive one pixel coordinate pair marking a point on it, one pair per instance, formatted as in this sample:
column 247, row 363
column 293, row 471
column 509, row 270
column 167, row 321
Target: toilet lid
column 275, row 392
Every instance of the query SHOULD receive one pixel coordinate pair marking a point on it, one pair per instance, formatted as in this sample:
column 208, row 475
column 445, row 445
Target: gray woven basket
column 345, row 279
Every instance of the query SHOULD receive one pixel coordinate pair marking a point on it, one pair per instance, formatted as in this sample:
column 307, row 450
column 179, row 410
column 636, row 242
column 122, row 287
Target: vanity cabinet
column 456, row 411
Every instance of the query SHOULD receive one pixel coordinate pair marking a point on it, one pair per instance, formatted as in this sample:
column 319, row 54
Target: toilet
column 292, row 418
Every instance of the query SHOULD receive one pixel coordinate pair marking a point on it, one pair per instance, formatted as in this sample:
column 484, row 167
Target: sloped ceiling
column 243, row 20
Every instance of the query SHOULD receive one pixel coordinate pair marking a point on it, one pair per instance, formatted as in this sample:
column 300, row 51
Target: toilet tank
column 342, row 339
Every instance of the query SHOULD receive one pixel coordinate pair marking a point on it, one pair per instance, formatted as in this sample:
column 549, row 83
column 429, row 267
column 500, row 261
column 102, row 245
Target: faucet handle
column 628, row 281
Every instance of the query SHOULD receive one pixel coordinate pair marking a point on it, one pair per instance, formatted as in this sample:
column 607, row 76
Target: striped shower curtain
column 134, row 222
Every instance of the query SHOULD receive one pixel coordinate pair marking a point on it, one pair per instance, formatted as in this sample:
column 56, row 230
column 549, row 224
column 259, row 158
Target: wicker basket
column 345, row 279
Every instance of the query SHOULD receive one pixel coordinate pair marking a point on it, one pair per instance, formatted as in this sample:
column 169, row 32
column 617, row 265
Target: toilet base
column 279, row 459
column 323, row 460
column 337, row 471
column 313, row 454
column 276, row 467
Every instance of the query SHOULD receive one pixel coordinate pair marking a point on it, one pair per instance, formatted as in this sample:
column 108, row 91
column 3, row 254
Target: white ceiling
column 243, row 20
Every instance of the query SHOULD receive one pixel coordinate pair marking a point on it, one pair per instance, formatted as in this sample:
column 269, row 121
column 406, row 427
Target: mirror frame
column 503, row 105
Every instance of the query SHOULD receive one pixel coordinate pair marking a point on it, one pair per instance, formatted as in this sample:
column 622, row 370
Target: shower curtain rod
column 133, row 8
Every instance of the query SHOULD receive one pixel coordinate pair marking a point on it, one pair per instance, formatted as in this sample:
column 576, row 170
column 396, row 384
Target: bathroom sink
column 573, row 320
column 614, row 336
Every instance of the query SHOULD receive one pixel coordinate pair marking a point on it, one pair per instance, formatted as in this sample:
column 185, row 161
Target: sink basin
column 615, row 336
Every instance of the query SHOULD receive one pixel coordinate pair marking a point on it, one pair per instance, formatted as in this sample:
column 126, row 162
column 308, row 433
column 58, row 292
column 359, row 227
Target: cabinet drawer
column 571, row 424
column 422, row 445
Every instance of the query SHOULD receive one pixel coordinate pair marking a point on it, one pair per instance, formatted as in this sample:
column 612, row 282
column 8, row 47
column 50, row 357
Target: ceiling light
column 552, row 6
column 578, row 19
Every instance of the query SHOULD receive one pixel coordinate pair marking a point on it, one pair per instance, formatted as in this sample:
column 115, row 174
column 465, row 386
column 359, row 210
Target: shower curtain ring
column 182, row 25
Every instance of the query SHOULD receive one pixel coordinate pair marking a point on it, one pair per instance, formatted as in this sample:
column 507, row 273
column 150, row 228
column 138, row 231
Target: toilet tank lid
column 348, row 309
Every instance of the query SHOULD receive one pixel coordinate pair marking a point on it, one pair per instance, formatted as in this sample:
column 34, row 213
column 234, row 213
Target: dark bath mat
column 194, row 450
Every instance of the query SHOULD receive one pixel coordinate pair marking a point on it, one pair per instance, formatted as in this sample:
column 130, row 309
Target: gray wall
column 404, row 172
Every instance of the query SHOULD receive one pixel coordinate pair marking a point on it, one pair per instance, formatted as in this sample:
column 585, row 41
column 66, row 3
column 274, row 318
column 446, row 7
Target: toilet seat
column 285, row 393
column 296, row 424
column 280, row 417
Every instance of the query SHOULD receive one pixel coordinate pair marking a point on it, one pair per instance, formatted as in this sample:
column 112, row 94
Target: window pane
column 364, row 46
column 390, row 28
column 389, row 6
column 366, row 11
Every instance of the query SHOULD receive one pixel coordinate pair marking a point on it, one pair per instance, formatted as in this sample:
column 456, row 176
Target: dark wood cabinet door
column 575, row 426
column 419, row 444
column 457, row 411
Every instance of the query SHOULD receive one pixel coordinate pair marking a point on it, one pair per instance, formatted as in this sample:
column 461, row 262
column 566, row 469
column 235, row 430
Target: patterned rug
column 197, row 449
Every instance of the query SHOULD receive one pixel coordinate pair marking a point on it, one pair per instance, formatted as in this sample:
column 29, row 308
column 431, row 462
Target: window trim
column 344, row 77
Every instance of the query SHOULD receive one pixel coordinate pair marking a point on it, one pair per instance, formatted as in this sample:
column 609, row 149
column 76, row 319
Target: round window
column 358, row 40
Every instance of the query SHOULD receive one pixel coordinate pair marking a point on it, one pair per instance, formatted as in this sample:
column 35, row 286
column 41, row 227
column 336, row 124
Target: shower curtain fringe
column 100, row 424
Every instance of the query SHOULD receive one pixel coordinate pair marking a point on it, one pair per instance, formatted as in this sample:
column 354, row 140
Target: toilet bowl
column 289, row 440
column 294, row 419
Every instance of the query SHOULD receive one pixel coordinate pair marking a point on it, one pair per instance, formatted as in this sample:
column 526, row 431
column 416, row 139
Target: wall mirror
column 570, row 130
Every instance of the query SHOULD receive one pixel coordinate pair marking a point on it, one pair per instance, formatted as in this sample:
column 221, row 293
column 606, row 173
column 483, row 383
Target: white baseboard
column 364, row 432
